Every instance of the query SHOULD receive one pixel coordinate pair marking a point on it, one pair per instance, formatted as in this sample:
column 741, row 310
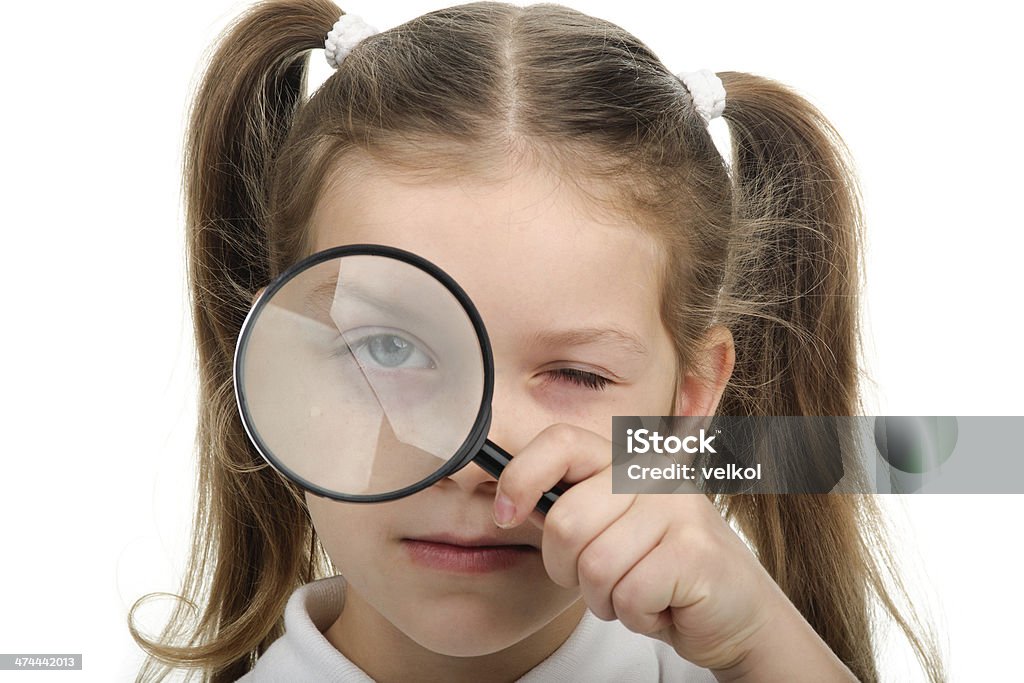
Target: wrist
column 787, row 648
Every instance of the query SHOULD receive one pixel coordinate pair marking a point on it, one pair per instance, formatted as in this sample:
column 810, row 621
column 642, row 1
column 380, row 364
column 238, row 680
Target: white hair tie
column 707, row 92
column 345, row 35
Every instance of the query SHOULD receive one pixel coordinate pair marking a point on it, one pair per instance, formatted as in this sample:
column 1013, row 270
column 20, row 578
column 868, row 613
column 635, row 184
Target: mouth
column 467, row 555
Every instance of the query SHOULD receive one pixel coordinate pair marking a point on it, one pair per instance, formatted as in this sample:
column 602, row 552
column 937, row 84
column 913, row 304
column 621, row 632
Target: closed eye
column 581, row 378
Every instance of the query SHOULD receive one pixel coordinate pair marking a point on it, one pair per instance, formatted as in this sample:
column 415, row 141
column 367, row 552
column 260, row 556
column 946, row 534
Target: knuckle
column 562, row 524
column 625, row 594
column 594, row 567
column 561, row 435
column 694, row 542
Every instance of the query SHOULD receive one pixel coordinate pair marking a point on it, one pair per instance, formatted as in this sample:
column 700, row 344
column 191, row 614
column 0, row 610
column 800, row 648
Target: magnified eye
column 387, row 350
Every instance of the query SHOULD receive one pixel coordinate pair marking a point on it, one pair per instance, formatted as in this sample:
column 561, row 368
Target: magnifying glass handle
column 493, row 459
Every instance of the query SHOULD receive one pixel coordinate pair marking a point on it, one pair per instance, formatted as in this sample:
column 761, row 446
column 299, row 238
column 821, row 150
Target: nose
column 473, row 479
column 506, row 431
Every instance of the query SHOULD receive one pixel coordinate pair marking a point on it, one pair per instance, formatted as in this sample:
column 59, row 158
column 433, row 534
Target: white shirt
column 595, row 651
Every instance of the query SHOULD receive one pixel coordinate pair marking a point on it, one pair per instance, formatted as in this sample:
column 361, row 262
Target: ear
column 700, row 390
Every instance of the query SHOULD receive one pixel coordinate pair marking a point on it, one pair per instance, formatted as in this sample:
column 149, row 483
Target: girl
column 566, row 179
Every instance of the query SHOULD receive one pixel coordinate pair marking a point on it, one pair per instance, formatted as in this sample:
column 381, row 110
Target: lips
column 467, row 555
column 469, row 541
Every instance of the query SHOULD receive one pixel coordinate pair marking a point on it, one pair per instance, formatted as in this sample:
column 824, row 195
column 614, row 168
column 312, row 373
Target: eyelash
column 581, row 378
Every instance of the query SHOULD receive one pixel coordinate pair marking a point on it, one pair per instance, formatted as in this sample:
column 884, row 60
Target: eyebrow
column 321, row 295
column 324, row 295
column 591, row 335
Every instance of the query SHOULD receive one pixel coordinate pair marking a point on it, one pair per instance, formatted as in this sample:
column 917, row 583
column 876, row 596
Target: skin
column 536, row 260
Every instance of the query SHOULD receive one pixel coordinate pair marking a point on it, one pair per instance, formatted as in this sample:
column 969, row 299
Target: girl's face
column 570, row 301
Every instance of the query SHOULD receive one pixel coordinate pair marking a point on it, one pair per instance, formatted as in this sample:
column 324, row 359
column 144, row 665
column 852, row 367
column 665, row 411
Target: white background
column 97, row 397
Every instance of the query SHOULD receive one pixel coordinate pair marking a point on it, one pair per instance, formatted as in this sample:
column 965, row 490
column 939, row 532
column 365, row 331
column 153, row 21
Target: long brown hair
column 769, row 247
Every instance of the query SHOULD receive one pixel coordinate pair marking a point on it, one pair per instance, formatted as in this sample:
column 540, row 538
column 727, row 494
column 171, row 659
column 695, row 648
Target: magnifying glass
column 364, row 374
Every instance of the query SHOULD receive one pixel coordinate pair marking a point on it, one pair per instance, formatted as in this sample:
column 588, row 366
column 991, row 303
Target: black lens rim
column 481, row 425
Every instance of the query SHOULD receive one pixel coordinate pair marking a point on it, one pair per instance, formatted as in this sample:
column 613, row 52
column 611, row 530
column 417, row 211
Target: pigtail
column 798, row 257
column 244, row 562
column 797, row 263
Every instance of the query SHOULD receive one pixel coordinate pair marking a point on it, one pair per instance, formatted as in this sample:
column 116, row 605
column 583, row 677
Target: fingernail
column 504, row 511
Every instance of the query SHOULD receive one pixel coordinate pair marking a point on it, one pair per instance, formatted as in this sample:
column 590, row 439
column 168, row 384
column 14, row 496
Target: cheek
column 593, row 409
column 348, row 531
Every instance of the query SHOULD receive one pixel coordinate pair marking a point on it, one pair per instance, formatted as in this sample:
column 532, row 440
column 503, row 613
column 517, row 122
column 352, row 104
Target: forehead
column 527, row 247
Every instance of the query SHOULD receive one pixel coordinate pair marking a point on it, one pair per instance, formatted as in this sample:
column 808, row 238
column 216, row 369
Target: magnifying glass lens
column 361, row 375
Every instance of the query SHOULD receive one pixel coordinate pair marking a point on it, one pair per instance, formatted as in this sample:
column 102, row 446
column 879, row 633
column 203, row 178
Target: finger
column 561, row 452
column 611, row 556
column 580, row 516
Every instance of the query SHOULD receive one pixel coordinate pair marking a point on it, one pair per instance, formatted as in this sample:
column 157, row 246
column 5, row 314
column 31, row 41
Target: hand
column 665, row 565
